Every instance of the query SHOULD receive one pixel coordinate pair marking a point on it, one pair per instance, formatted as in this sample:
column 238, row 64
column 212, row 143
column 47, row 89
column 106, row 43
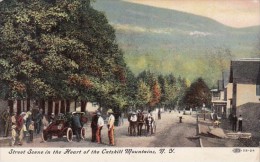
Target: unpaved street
column 169, row 133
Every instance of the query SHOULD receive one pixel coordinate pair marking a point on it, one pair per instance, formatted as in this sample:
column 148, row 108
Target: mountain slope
column 168, row 41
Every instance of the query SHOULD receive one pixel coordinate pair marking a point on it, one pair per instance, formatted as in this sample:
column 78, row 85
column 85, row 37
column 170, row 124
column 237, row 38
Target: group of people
column 137, row 120
column 21, row 125
column 97, row 124
column 233, row 122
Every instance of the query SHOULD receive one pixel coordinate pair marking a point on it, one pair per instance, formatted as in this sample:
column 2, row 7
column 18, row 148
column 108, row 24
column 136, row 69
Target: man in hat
column 76, row 124
column 133, row 123
column 110, row 126
column 6, row 120
column 94, row 126
column 100, row 124
column 38, row 121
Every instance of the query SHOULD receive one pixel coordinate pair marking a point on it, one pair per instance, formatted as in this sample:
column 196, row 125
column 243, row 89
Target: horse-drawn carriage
column 62, row 126
column 142, row 119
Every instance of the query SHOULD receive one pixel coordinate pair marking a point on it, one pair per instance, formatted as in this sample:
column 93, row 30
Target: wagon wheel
column 69, row 134
column 45, row 136
column 83, row 133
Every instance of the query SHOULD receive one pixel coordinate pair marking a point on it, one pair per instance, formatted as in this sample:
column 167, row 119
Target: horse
column 140, row 123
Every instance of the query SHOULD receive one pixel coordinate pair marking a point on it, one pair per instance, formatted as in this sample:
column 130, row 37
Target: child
column 31, row 130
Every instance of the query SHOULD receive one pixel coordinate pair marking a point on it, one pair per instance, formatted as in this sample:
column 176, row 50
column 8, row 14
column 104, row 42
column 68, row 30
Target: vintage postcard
column 130, row 80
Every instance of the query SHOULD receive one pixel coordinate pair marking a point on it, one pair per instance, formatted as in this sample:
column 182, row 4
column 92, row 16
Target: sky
column 233, row 13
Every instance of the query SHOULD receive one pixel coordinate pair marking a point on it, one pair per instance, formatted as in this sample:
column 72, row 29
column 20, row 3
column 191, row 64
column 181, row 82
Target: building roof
column 245, row 71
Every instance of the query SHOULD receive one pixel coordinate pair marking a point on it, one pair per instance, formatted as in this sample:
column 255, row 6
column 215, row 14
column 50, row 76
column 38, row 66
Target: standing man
column 240, row 119
column 100, row 125
column 110, row 126
column 76, row 124
column 38, row 121
column 133, row 123
column 94, row 126
column 234, row 123
column 6, row 120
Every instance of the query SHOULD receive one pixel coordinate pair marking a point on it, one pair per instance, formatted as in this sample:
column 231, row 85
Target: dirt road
column 169, row 133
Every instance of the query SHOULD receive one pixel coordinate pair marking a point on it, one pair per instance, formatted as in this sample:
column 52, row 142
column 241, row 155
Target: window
column 258, row 90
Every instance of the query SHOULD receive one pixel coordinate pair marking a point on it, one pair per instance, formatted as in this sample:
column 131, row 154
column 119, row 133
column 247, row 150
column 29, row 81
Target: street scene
column 128, row 73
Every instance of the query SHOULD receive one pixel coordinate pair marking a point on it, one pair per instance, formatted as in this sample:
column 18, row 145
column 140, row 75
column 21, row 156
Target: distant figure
column 180, row 117
column 234, row 123
column 159, row 114
column 240, row 119
column 190, row 111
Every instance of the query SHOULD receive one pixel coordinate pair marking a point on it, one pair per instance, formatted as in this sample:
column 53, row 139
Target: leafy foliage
column 197, row 94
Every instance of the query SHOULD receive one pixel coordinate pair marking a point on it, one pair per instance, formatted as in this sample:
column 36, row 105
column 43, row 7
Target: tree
column 58, row 50
column 197, row 94
column 143, row 95
column 156, row 94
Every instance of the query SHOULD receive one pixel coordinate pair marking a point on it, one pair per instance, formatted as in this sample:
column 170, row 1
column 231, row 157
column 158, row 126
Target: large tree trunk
column 67, row 106
column 28, row 104
column 62, row 107
column 50, row 104
column 83, row 106
column 56, row 108
column 19, row 110
column 11, row 105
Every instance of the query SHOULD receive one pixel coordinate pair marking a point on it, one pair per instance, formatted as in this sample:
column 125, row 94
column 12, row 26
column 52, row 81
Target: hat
column 134, row 113
column 110, row 111
column 52, row 114
column 29, row 113
column 23, row 113
column 98, row 113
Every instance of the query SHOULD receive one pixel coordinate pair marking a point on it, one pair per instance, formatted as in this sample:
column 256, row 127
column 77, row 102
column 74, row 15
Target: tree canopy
column 58, row 49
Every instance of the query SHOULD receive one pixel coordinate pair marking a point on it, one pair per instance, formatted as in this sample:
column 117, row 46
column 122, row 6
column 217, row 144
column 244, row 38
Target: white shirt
column 100, row 122
column 133, row 118
column 111, row 120
column 240, row 118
